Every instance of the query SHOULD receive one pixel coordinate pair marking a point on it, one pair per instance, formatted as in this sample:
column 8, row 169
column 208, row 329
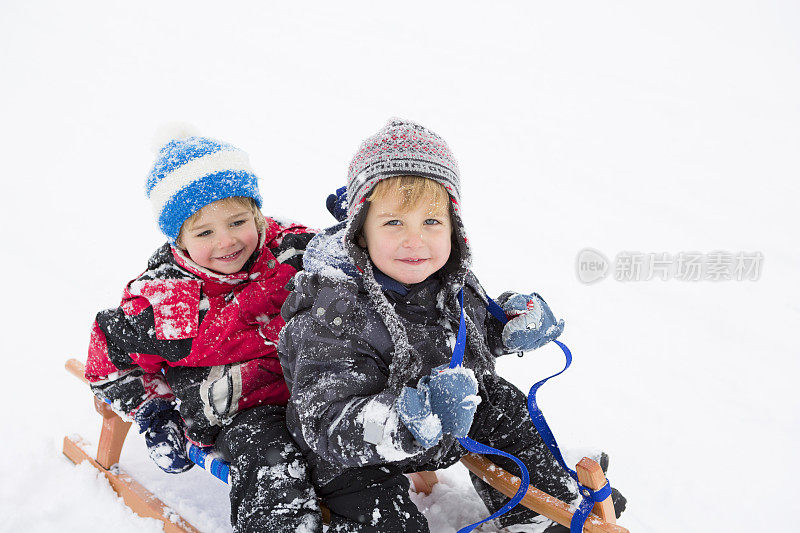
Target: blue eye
column 204, row 233
column 392, row 223
column 239, row 223
column 431, row 222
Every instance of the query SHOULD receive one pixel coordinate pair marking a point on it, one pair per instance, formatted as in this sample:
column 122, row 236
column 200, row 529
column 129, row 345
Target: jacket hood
column 336, row 268
column 327, row 256
column 325, row 264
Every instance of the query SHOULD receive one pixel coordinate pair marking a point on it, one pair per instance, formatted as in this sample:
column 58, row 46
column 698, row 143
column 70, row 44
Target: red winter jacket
column 208, row 339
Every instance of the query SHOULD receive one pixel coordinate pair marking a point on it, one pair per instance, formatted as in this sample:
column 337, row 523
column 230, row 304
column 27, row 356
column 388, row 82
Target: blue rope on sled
column 588, row 496
column 216, row 466
column 477, row 447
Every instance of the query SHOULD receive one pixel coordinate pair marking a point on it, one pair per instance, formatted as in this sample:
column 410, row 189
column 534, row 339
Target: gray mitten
column 454, row 398
column 531, row 323
column 414, row 407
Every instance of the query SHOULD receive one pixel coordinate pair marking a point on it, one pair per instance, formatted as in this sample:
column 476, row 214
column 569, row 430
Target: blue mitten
column 163, row 432
column 531, row 322
column 414, row 408
column 337, row 204
column 454, row 397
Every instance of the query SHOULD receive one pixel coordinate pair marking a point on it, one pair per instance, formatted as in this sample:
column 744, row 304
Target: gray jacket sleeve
column 339, row 400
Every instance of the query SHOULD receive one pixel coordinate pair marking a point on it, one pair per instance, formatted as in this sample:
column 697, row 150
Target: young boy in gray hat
column 371, row 321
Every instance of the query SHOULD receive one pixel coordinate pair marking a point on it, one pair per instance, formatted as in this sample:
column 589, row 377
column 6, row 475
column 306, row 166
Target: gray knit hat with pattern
column 401, row 148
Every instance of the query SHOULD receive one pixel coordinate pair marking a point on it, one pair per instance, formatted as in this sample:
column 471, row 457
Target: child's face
column 407, row 246
column 222, row 238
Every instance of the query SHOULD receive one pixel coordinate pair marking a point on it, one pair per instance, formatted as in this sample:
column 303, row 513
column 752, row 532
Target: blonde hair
column 239, row 201
column 411, row 190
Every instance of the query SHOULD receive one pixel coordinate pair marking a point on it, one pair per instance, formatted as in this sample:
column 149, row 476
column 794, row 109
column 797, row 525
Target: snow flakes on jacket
column 208, row 339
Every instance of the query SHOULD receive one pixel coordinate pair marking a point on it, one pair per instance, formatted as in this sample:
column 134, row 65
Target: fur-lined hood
column 337, row 271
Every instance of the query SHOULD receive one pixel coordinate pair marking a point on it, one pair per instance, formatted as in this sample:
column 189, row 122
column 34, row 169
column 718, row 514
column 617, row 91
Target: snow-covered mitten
column 337, row 204
column 163, row 432
column 531, row 323
column 454, row 397
column 414, row 407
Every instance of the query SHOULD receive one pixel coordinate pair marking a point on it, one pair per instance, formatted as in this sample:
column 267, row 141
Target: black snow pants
column 375, row 499
column 270, row 489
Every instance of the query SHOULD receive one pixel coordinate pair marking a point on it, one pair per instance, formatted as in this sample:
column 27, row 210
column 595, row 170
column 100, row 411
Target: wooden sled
column 144, row 503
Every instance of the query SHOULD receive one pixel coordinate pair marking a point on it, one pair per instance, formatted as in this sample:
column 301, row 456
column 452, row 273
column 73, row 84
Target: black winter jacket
column 335, row 352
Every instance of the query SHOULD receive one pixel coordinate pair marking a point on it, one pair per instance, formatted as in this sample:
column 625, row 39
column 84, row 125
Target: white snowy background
column 621, row 126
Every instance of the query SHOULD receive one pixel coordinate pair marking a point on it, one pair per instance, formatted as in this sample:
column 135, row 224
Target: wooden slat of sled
column 109, row 447
column 139, row 499
column 539, row 501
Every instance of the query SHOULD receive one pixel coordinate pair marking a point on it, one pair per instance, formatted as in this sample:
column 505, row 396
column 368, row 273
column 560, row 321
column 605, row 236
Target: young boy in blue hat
column 198, row 330
column 370, row 323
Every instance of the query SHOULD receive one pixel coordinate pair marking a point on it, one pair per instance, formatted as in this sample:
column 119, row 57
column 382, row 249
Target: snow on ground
column 620, row 126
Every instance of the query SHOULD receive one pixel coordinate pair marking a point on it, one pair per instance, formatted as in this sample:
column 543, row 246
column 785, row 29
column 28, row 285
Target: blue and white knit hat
column 192, row 172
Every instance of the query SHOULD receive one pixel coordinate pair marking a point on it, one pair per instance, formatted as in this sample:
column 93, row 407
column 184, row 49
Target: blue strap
column 496, row 311
column 589, row 496
column 538, row 417
column 475, row 446
column 461, row 336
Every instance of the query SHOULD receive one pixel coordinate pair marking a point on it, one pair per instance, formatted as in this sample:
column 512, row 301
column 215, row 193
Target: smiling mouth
column 413, row 261
column 229, row 257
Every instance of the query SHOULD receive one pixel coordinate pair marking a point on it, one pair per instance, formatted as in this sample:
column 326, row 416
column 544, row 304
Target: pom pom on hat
column 191, row 172
column 171, row 131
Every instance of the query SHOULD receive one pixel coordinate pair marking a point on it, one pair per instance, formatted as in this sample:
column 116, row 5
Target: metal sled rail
column 144, row 503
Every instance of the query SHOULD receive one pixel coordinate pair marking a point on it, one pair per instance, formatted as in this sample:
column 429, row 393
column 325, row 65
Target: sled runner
column 144, row 503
